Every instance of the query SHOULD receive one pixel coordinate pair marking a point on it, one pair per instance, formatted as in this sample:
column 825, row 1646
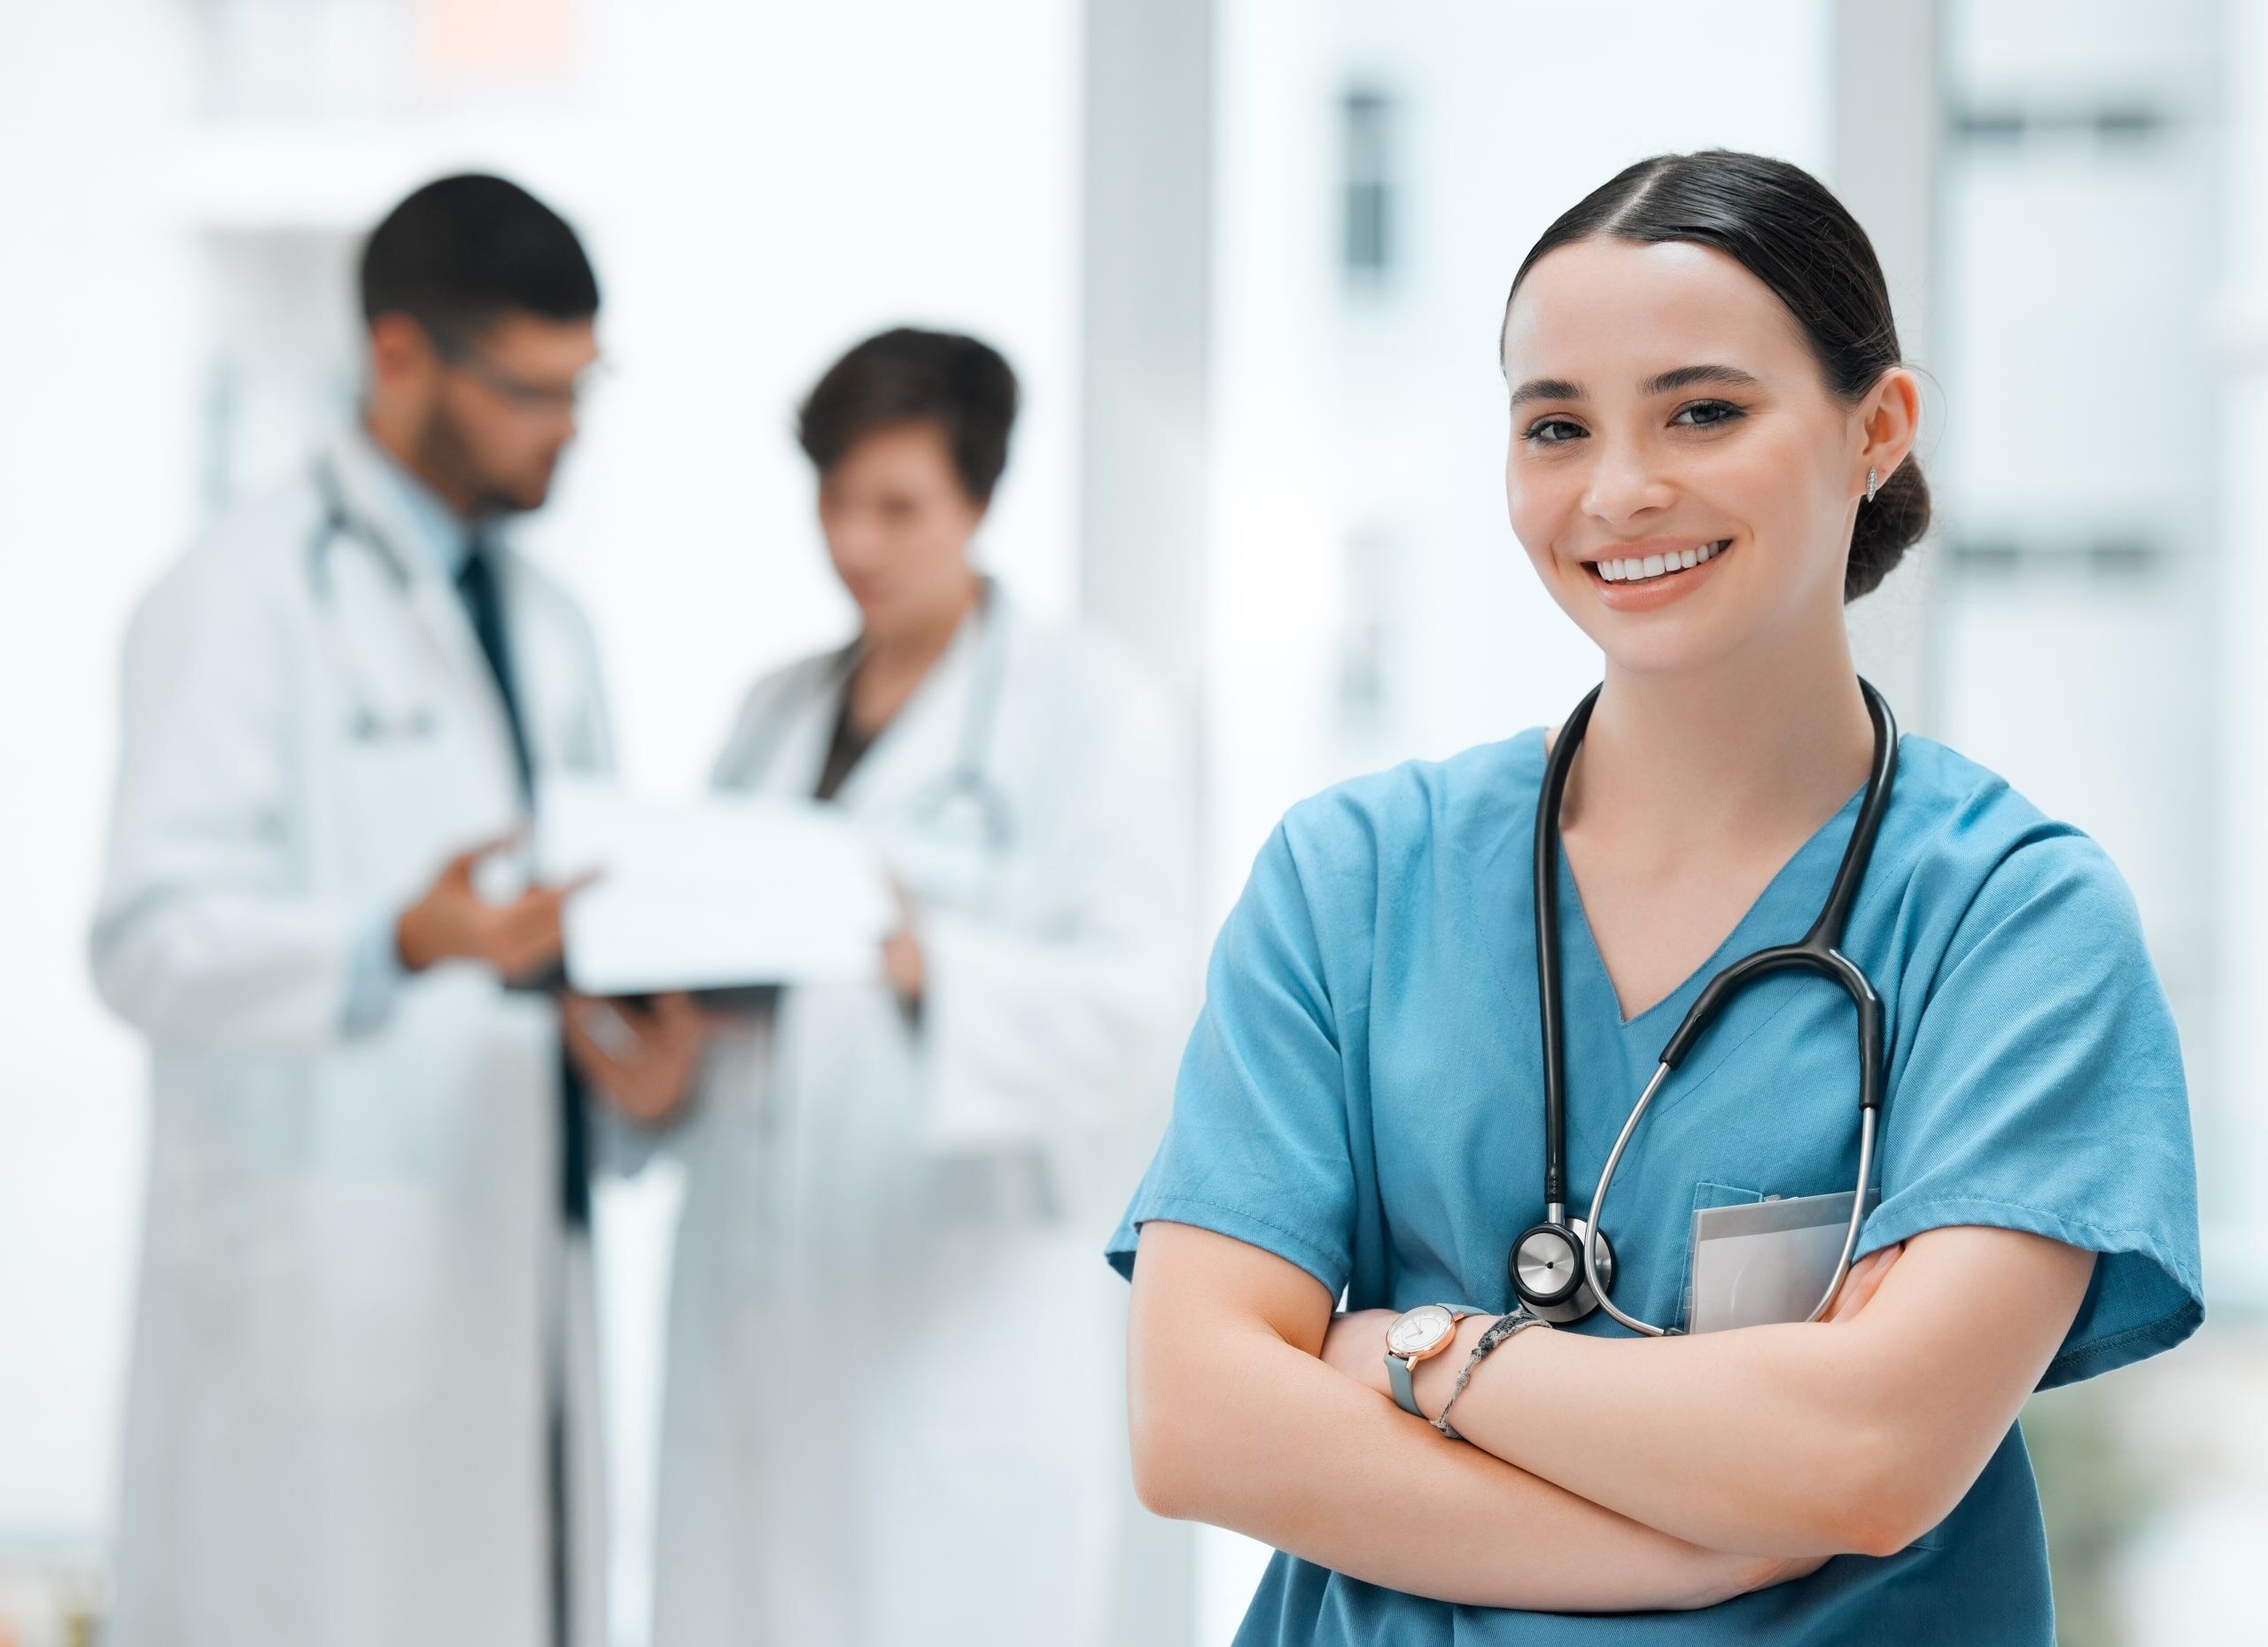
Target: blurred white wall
column 95, row 486
column 2080, row 510
column 2237, row 402
column 761, row 183
column 1370, row 602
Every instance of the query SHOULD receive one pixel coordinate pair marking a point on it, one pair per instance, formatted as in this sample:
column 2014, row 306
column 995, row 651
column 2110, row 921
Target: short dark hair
column 462, row 251
column 1787, row 229
column 904, row 376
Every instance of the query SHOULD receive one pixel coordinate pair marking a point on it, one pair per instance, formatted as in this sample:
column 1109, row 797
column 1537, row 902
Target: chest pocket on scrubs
column 1706, row 1195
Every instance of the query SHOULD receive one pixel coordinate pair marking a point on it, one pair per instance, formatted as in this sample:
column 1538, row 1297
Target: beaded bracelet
column 1502, row 1328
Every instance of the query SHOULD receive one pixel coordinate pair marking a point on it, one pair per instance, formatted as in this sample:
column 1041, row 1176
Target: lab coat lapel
column 918, row 748
column 781, row 748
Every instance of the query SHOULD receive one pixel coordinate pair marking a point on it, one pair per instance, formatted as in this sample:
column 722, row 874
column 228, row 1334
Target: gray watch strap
column 1397, row 1376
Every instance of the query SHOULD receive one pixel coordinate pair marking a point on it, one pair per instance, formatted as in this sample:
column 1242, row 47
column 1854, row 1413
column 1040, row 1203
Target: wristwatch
column 1412, row 1336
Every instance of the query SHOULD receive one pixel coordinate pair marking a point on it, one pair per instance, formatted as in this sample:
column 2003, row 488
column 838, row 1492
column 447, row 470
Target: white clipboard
column 717, row 893
column 1758, row 1262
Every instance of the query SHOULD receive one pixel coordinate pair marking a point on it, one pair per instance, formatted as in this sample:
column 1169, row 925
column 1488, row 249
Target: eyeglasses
column 459, row 354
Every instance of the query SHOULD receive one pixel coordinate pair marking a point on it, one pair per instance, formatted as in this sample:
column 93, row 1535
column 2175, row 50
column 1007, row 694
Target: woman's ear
column 1890, row 420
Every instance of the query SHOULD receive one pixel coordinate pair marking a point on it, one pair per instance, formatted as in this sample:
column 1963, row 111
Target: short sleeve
column 2041, row 1090
column 1257, row 1147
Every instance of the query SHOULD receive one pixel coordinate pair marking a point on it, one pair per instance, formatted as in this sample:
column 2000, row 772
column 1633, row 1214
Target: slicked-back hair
column 1788, row 230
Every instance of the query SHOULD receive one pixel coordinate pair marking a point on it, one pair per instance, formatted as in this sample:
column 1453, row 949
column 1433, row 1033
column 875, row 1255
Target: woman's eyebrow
column 1686, row 376
column 1680, row 378
column 1545, row 389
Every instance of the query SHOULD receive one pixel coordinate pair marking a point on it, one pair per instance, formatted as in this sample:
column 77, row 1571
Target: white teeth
column 1632, row 568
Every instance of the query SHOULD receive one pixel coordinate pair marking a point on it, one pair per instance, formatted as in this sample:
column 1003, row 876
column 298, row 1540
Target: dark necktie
column 476, row 583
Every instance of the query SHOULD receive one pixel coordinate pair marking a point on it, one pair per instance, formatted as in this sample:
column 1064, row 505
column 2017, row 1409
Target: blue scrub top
column 1361, row 1097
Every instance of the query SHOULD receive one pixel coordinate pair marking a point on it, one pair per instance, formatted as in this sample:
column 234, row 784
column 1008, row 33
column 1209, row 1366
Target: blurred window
column 1368, row 117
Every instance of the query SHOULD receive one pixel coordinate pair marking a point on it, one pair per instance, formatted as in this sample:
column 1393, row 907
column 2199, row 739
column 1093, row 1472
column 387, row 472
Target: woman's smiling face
column 1667, row 412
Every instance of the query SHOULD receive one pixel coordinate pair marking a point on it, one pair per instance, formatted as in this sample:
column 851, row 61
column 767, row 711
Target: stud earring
column 1873, row 483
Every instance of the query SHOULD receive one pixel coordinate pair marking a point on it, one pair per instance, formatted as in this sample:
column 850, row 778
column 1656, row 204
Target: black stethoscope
column 1563, row 1268
column 965, row 781
column 367, row 722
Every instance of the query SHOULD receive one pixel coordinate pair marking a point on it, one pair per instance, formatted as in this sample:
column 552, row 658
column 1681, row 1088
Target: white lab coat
column 354, row 1294
column 894, row 1406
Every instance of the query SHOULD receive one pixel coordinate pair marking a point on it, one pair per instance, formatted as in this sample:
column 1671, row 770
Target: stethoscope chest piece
column 1547, row 1271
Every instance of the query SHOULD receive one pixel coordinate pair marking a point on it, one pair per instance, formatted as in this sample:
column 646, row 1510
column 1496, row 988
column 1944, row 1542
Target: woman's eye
column 1553, row 430
column 1706, row 414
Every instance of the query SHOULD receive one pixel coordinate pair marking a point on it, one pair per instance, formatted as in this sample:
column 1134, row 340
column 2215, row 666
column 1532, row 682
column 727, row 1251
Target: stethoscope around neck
column 965, row 780
column 368, row 720
column 1563, row 1268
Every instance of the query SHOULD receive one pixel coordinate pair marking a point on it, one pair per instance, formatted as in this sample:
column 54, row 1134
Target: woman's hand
column 1859, row 1285
column 643, row 1061
column 902, row 959
column 1763, row 1572
column 902, row 965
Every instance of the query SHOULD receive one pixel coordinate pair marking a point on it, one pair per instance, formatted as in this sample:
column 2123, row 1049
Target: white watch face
column 1420, row 1329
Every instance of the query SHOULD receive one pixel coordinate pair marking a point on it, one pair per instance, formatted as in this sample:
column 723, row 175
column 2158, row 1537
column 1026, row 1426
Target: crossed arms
column 1598, row 1474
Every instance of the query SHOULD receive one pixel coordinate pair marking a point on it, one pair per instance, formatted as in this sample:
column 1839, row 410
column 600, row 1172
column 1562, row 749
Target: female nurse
column 1710, row 454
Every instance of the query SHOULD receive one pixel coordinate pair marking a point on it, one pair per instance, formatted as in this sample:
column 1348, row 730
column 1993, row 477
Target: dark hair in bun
column 1784, row 227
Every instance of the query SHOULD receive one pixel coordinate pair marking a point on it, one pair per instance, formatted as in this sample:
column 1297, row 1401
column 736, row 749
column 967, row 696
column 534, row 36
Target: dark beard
column 445, row 455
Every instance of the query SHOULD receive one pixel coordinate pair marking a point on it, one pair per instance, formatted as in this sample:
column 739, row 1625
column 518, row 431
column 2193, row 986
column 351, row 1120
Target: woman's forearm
column 1740, row 1440
column 1854, row 1434
column 1247, row 1432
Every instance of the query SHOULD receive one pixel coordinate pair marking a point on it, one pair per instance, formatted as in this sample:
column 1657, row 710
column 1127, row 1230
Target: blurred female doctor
column 893, row 1385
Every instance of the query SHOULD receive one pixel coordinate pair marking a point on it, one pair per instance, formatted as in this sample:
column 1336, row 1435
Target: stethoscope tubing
column 1817, row 951
column 337, row 521
column 1600, row 1279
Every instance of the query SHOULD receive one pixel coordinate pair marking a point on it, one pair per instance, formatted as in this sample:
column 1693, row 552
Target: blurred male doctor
column 361, row 1408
